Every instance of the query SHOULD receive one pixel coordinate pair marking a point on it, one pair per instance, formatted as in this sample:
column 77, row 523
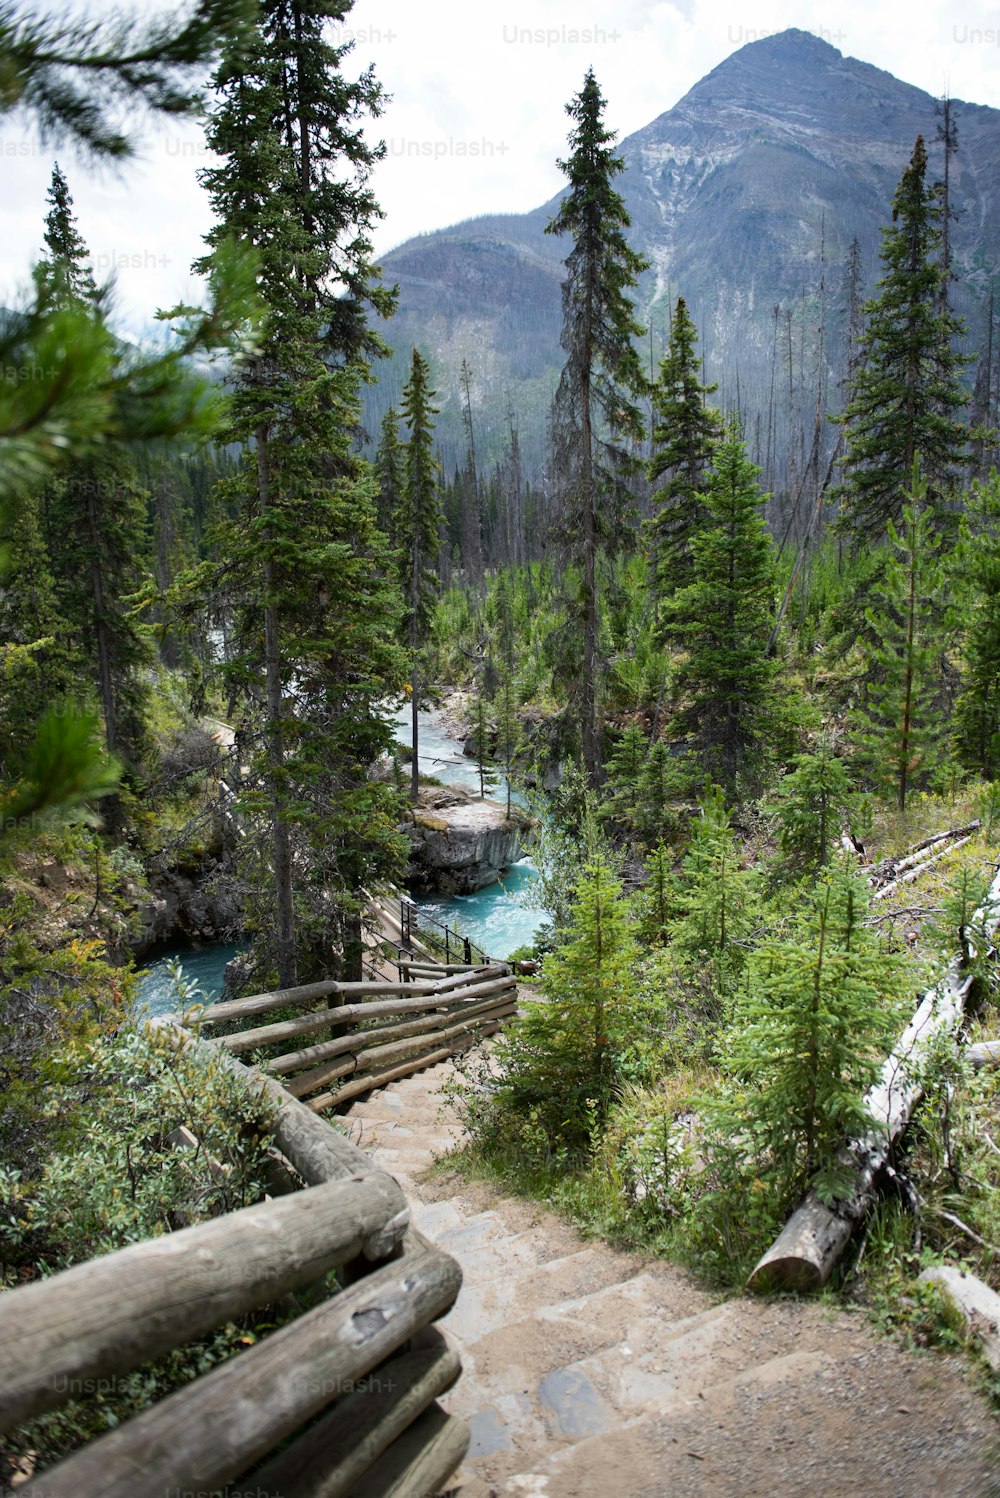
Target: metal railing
column 456, row 944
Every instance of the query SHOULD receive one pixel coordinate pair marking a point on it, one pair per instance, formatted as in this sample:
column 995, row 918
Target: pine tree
column 723, row 618
column 661, row 780
column 905, row 396
column 899, row 730
column 654, row 904
column 471, row 513
column 36, row 664
column 482, row 735
column 510, row 734
column 809, row 1036
column 977, row 711
column 305, row 562
column 621, row 794
column 685, row 433
column 596, row 420
column 714, row 908
column 418, row 526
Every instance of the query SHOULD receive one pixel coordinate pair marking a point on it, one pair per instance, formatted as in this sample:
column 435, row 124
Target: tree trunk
column 102, row 633
column 281, row 849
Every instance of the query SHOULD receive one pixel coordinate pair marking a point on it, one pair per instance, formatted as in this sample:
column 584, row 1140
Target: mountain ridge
column 745, row 195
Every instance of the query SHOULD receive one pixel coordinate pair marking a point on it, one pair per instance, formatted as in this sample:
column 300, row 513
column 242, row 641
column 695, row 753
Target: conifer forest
column 722, row 645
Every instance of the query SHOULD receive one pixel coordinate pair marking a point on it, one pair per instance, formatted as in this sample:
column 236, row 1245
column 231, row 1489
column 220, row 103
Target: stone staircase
column 590, row 1373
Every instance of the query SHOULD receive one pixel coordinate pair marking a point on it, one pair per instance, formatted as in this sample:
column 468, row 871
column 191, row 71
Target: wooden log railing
column 375, row 1033
column 340, row 1402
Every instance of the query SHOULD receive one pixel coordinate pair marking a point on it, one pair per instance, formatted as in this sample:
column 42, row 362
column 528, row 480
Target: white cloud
column 477, row 117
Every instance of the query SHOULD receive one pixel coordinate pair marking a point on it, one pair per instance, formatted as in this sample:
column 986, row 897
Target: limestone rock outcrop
column 461, row 843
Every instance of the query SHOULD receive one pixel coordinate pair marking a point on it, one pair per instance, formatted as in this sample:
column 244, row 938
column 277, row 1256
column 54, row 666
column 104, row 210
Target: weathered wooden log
column 230, row 1419
column 389, row 1054
column 979, row 1305
column 365, row 1083
column 481, row 974
column 61, row 1335
column 420, row 1462
column 337, row 1052
column 306, row 993
column 406, row 1057
column 937, row 837
column 422, row 999
column 918, row 870
column 983, row 1053
column 341, row 1446
column 442, row 969
column 368, row 1083
column 295, row 1061
column 807, row 1249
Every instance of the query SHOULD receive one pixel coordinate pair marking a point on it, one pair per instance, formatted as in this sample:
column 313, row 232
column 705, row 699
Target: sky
column 477, row 115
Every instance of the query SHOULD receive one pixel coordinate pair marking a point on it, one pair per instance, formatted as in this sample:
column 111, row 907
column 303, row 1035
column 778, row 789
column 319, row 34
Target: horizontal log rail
column 211, row 1431
column 341, row 1446
column 389, row 1030
column 79, row 1326
column 366, row 1360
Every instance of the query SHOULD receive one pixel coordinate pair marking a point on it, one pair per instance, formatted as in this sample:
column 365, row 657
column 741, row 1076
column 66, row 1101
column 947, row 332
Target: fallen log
column 983, row 1053
column 806, row 1251
column 979, row 1305
column 918, row 869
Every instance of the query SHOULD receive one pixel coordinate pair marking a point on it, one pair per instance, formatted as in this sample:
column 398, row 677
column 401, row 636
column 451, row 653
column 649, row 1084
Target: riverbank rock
column 461, row 843
column 190, row 907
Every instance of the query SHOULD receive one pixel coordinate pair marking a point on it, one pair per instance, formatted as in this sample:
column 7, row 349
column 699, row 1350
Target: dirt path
column 590, row 1373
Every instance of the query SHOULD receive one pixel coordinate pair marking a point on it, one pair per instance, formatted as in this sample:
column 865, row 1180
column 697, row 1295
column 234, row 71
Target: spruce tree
column 899, row 729
column 816, row 800
column 389, row 470
column 685, row 433
column 418, row 528
column 722, row 620
column 621, row 794
column 905, row 396
column 977, row 569
column 596, row 423
column 564, row 1059
column 306, row 565
column 95, row 523
column 714, row 907
column 66, row 270
column 809, row 1036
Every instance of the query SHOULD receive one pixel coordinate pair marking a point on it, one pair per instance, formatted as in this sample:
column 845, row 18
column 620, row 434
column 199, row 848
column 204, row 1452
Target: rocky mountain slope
column 745, row 196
